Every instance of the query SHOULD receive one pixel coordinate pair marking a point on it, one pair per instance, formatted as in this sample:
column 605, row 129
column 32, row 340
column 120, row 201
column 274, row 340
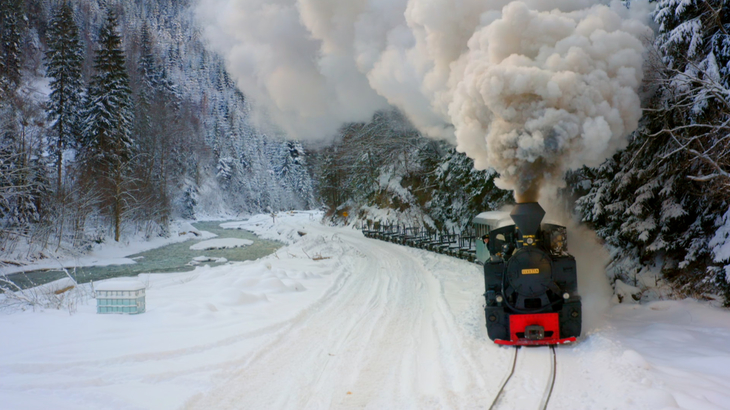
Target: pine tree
column 475, row 190
column 23, row 185
column 108, row 144
column 293, row 173
column 64, row 60
column 147, row 65
column 148, row 171
column 11, row 29
column 694, row 37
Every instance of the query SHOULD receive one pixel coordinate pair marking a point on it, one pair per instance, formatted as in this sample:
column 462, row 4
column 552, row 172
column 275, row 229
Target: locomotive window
column 482, row 230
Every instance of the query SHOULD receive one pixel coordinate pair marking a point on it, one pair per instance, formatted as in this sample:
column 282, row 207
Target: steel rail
column 548, row 388
column 551, row 382
column 506, row 379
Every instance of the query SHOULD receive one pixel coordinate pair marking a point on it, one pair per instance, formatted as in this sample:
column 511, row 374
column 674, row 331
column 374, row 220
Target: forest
column 115, row 118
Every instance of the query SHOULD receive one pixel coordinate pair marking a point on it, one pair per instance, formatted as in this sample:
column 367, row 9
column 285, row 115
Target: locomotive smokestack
column 527, row 217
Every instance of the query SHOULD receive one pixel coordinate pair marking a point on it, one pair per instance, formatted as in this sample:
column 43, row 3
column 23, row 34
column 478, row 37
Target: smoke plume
column 530, row 88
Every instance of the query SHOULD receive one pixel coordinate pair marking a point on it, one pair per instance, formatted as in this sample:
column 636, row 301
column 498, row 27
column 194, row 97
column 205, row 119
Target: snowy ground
column 335, row 320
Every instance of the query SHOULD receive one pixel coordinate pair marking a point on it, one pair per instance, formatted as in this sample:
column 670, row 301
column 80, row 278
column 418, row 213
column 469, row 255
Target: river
column 175, row 257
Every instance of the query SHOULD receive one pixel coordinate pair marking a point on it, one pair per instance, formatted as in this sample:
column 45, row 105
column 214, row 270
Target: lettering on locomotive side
column 530, row 271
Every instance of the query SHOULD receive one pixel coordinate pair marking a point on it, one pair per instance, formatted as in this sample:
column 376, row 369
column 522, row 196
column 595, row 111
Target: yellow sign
column 530, row 271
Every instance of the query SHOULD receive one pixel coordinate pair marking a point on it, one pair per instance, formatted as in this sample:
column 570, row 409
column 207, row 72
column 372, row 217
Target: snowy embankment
column 335, row 320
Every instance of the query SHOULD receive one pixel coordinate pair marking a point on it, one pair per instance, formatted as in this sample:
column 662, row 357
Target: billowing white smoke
column 530, row 88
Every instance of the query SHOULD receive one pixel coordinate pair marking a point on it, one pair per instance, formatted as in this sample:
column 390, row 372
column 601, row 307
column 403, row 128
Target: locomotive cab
column 498, row 227
column 530, row 279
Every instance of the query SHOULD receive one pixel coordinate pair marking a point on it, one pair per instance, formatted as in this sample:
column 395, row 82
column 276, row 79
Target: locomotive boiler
column 530, row 278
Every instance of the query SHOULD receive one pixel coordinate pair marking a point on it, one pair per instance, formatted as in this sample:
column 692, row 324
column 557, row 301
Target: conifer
column 11, row 30
column 108, row 144
column 64, row 60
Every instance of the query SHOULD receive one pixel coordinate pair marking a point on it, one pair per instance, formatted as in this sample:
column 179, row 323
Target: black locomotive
column 530, row 279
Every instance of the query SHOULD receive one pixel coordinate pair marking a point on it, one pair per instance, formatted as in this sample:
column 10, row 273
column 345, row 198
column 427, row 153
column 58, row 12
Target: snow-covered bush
column 63, row 294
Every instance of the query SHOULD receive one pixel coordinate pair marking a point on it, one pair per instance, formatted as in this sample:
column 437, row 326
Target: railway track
column 523, row 391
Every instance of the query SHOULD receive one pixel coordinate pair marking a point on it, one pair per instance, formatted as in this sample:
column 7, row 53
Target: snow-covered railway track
column 524, row 391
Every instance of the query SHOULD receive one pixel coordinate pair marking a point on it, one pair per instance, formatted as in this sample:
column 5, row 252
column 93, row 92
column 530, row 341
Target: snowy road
column 385, row 336
column 338, row 321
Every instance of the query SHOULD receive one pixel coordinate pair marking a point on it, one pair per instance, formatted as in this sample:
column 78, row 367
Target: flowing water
column 175, row 257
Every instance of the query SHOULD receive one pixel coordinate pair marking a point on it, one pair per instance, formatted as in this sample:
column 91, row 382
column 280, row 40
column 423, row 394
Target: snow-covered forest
column 117, row 116
column 114, row 119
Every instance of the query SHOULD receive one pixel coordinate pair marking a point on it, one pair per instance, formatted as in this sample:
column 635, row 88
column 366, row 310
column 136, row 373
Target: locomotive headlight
column 499, row 299
column 530, row 241
column 566, row 295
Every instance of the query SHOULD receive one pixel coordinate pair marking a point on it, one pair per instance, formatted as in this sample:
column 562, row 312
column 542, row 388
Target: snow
column 200, row 259
column 119, row 284
column 626, row 292
column 223, row 243
column 336, row 320
column 720, row 243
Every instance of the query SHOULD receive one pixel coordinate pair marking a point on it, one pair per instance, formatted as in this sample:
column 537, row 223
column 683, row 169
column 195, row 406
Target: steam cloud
column 530, row 88
column 591, row 257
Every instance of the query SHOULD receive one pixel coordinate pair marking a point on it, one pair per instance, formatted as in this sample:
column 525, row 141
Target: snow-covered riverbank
column 107, row 253
column 336, row 320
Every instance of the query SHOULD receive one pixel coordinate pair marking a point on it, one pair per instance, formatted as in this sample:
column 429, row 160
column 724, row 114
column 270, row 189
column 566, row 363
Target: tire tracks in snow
column 385, row 338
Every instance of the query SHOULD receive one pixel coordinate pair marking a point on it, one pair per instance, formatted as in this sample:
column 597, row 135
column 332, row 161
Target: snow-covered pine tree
column 64, row 60
column 459, row 192
column 292, row 172
column 23, row 182
column 642, row 205
column 146, row 68
column 108, row 144
column 694, row 40
column 330, row 179
column 151, row 125
column 12, row 18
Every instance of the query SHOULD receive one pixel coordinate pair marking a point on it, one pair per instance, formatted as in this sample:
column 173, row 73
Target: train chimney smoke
column 527, row 217
column 529, row 88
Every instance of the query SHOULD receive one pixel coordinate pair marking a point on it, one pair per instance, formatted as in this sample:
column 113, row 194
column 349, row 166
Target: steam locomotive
column 530, row 278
